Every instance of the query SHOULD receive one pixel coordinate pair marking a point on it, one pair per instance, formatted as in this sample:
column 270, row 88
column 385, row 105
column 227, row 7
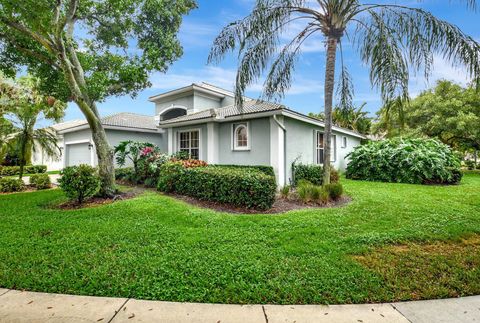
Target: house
column 201, row 119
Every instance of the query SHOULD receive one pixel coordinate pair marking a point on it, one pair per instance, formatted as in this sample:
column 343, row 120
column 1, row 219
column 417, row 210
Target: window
column 240, row 136
column 344, row 142
column 189, row 142
column 319, row 148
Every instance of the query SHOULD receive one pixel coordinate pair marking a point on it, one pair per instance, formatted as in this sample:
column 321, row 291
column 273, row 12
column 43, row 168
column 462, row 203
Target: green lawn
column 154, row 247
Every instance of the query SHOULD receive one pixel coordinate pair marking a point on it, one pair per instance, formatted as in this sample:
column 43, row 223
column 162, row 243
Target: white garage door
column 78, row 154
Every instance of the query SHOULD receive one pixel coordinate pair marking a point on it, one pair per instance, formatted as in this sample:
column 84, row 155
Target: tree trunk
column 329, row 87
column 106, row 169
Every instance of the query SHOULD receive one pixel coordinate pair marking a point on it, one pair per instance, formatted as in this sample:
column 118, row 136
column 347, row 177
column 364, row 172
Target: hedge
column 8, row 184
column 414, row 160
column 268, row 170
column 312, row 173
column 238, row 186
column 15, row 170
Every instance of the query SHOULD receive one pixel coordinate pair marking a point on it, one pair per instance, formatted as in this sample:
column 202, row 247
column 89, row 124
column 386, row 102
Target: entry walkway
column 18, row 306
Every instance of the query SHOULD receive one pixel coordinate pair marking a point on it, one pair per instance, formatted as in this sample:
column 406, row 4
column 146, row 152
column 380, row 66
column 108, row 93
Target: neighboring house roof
column 253, row 108
column 124, row 120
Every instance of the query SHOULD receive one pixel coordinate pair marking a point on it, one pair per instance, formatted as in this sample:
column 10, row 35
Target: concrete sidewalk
column 17, row 306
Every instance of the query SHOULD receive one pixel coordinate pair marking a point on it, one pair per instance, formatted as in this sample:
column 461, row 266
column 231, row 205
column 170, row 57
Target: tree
column 447, row 112
column 391, row 39
column 353, row 118
column 87, row 50
column 23, row 105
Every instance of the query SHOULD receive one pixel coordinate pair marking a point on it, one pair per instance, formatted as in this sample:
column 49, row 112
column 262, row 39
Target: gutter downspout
column 284, row 148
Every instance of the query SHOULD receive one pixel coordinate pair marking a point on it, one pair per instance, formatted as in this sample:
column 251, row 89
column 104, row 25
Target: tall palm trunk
column 329, row 87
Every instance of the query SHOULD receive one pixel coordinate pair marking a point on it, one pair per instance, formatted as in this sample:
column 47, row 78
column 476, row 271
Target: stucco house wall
column 300, row 146
column 259, row 136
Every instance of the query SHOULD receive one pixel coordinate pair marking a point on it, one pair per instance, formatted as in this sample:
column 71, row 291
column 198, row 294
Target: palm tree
column 23, row 105
column 391, row 39
column 26, row 139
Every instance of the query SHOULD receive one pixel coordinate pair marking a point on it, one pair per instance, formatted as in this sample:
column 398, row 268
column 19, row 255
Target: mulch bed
column 281, row 205
column 97, row 201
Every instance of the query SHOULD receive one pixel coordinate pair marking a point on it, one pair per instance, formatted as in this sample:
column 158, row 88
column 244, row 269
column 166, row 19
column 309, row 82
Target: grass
column 155, row 247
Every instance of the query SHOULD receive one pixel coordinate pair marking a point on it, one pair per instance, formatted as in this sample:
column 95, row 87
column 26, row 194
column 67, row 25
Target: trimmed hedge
column 40, row 181
column 79, row 182
column 8, row 184
column 313, row 174
column 415, row 161
column 238, row 186
column 15, row 170
column 268, row 170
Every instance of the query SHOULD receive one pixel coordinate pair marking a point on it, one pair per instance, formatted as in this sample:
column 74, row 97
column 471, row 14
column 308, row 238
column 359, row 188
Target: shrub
column 8, row 184
column 125, row 174
column 470, row 164
column 189, row 163
column 15, row 170
column 181, row 155
column 268, row 170
column 416, row 161
column 307, row 192
column 284, row 191
column 324, row 196
column 79, row 182
column 334, row 190
column 240, row 187
column 313, row 174
column 40, row 181
column 170, row 173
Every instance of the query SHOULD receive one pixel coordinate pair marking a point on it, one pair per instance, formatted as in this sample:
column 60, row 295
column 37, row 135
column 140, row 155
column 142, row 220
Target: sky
column 203, row 24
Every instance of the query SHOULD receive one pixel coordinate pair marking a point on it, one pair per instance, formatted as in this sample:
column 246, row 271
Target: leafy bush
column 125, row 174
column 416, row 161
column 40, row 181
column 334, row 190
column 15, row 170
column 189, row 163
column 8, row 184
column 79, row 182
column 470, row 164
column 313, row 174
column 268, row 170
column 241, row 187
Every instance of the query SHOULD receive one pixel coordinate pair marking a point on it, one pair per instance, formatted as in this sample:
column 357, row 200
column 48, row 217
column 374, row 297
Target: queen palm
column 391, row 39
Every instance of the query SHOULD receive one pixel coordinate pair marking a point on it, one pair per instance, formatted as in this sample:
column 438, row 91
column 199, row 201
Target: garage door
column 78, row 154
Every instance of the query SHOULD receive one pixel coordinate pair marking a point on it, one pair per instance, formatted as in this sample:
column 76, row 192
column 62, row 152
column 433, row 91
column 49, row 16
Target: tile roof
column 253, row 106
column 124, row 119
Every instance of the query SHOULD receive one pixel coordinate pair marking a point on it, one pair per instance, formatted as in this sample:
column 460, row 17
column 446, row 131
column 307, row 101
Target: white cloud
column 225, row 78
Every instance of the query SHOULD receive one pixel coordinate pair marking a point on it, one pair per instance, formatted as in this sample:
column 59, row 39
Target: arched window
column 240, row 136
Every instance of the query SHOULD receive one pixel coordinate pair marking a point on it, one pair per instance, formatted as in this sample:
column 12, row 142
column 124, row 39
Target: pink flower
column 147, row 151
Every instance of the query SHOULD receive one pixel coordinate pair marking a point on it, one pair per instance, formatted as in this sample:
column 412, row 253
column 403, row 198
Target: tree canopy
column 448, row 112
column 353, row 118
column 87, row 50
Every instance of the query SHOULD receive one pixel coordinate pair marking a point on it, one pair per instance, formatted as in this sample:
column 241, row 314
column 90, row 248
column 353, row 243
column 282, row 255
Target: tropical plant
column 85, row 51
column 392, row 39
column 23, row 106
column 351, row 117
column 131, row 150
column 416, row 161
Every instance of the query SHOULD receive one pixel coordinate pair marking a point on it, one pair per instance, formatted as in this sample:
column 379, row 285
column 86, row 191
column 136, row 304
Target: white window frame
column 233, row 132
column 344, row 141
column 333, row 139
column 190, row 141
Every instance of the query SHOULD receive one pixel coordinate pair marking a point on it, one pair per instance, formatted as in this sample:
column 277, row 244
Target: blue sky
column 201, row 26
